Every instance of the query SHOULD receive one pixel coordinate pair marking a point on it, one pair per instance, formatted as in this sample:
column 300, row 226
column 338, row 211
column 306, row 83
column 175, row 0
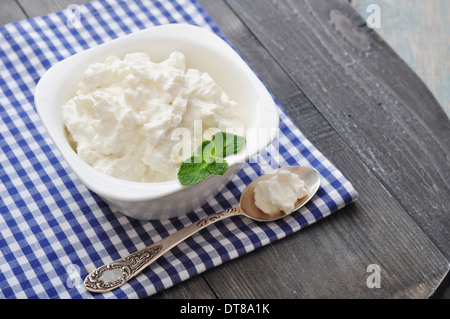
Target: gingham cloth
column 53, row 230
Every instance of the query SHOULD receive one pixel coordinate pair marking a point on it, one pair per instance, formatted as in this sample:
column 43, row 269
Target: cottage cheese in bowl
column 131, row 117
column 203, row 50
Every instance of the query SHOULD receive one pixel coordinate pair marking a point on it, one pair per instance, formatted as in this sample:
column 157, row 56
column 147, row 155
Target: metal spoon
column 115, row 274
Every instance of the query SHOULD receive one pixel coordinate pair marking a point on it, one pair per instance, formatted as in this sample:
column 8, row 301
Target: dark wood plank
column 11, row 11
column 34, row 8
column 369, row 95
column 418, row 31
column 194, row 288
column 328, row 259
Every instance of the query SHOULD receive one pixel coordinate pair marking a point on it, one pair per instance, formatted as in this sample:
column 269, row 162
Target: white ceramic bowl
column 204, row 51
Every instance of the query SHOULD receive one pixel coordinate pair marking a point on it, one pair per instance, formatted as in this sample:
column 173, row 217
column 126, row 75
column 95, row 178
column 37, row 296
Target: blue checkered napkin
column 53, row 230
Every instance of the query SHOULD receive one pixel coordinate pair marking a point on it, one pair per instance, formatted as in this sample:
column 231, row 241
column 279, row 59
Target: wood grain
column 418, row 31
column 339, row 248
column 370, row 97
column 11, row 11
column 194, row 288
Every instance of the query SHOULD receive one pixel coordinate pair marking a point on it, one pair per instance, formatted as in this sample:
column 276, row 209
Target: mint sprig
column 210, row 158
column 227, row 144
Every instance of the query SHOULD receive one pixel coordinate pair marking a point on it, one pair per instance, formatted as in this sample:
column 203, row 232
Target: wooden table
column 368, row 112
column 418, row 32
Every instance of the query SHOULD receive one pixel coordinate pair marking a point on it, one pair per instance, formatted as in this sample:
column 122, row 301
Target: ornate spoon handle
column 116, row 273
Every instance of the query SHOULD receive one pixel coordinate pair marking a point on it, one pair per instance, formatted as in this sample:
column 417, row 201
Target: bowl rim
column 123, row 190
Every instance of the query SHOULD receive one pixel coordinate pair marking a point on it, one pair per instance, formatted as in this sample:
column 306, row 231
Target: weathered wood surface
column 360, row 104
column 371, row 97
column 419, row 32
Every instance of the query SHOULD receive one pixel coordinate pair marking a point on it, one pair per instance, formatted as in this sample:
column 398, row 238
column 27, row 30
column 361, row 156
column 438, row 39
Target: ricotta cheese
column 124, row 117
column 279, row 193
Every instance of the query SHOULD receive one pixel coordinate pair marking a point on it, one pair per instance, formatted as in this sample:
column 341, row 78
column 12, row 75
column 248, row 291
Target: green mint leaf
column 228, row 144
column 210, row 158
column 218, row 168
column 207, row 151
column 192, row 171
